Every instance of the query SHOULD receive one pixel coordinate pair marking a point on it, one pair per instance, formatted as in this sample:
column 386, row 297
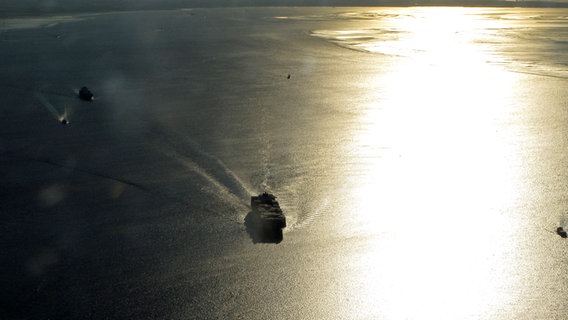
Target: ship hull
column 266, row 220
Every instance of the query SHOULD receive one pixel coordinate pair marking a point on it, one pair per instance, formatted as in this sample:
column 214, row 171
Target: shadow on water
column 261, row 234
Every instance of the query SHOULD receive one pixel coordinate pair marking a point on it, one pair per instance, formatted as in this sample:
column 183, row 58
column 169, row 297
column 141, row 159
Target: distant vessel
column 86, row 94
column 266, row 213
column 561, row 232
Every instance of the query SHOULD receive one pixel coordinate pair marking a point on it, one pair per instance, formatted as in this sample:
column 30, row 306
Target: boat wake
column 58, row 116
column 265, row 153
column 299, row 207
column 306, row 216
column 220, row 180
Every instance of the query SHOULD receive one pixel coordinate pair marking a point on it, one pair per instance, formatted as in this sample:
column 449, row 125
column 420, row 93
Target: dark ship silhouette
column 266, row 220
column 86, row 94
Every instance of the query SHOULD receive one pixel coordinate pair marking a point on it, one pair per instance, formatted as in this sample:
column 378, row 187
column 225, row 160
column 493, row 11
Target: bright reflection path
column 439, row 177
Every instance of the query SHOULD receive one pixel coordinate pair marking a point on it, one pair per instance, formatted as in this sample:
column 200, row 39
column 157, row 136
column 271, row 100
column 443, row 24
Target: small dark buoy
column 561, row 232
column 289, row 75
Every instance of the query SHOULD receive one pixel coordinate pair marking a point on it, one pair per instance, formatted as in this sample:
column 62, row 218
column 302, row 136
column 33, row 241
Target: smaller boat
column 64, row 121
column 86, row 94
column 561, row 232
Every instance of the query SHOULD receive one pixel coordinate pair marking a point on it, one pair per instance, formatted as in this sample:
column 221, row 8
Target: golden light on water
column 439, row 183
column 419, row 155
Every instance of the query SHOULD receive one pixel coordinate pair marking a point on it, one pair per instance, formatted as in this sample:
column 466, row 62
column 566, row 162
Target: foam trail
column 216, row 170
column 226, row 176
column 265, row 153
column 266, row 169
column 194, row 167
column 301, row 222
column 219, row 189
column 205, row 164
column 49, row 106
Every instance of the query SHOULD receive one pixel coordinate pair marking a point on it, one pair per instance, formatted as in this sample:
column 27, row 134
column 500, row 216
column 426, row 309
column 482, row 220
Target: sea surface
column 420, row 156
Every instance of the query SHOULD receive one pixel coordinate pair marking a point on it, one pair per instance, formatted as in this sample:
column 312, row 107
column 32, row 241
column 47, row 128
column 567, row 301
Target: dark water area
column 417, row 153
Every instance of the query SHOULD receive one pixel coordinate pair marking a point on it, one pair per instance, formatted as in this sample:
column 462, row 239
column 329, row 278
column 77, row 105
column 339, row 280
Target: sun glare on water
column 439, row 174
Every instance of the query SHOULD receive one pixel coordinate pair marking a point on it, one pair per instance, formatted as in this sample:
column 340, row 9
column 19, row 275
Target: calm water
column 419, row 155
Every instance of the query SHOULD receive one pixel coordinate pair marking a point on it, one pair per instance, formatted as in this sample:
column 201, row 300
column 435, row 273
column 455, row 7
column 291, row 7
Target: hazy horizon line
column 31, row 8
